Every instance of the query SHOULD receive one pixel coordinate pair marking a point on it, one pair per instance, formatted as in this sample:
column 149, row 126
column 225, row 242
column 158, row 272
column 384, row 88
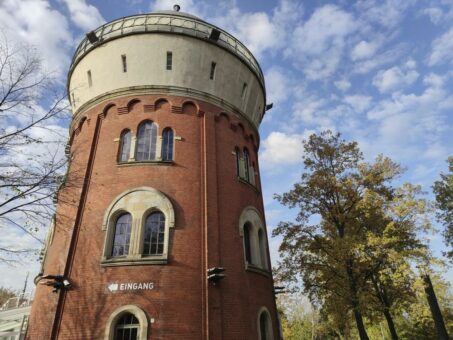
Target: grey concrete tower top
column 196, row 47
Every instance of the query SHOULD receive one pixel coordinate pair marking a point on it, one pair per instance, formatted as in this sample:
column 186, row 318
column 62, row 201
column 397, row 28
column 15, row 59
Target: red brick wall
column 208, row 200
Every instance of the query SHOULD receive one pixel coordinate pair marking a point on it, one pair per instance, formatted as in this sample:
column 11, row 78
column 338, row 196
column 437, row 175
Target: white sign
column 115, row 287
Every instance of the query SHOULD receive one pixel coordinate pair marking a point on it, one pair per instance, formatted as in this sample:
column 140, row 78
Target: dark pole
column 435, row 310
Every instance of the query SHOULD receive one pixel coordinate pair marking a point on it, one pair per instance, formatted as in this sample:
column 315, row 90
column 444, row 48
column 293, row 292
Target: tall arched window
column 127, row 327
column 265, row 333
column 167, row 145
column 146, row 141
column 122, row 236
column 154, row 234
column 238, row 161
column 254, row 239
column 246, row 165
column 262, row 245
column 247, row 244
column 125, row 146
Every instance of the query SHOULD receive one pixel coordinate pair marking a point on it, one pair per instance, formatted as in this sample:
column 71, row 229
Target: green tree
column 391, row 247
column 443, row 190
column 415, row 321
column 354, row 233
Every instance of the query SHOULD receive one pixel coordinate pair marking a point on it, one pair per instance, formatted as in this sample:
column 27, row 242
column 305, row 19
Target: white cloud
column 83, row 15
column 434, row 80
column 280, row 149
column 35, row 23
column 259, row 31
column 25, row 262
column 435, row 14
column 318, row 45
column 307, row 109
column 187, row 6
column 358, row 102
column 394, row 79
column 363, row 50
column 410, row 126
column 410, row 64
column 342, row 84
column 442, row 49
column 277, row 85
column 390, row 55
column 387, row 13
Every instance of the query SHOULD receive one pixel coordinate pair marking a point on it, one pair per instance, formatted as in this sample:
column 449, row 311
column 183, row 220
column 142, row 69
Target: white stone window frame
column 159, row 141
column 241, row 172
column 270, row 332
column 158, row 148
column 250, row 215
column 139, row 202
column 116, row 316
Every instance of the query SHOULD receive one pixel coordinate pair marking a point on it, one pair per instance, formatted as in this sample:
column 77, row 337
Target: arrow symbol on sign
column 112, row 287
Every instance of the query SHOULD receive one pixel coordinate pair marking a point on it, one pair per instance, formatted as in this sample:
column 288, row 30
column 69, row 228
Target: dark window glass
column 167, row 145
column 124, row 62
column 122, row 236
column 238, row 161
column 212, row 73
column 90, row 79
column 262, row 244
column 127, row 328
column 263, row 326
column 247, row 249
column 146, row 141
column 125, row 146
column 154, row 234
column 169, row 60
column 244, row 90
column 246, row 165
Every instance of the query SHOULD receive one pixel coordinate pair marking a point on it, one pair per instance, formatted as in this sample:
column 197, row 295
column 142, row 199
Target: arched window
column 262, row 246
column 122, row 236
column 146, row 141
column 125, row 146
column 127, row 327
column 238, row 161
column 254, row 239
column 246, row 165
column 154, row 234
column 149, row 218
column 265, row 329
column 247, row 243
column 167, row 145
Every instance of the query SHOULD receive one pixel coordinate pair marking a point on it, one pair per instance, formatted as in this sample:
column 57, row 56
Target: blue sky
column 379, row 72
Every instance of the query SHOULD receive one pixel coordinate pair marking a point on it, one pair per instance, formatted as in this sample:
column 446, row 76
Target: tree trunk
column 385, row 302
column 391, row 324
column 435, row 310
column 360, row 326
column 355, row 302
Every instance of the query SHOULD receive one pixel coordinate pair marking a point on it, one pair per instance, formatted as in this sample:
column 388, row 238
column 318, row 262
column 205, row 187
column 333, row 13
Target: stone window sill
column 258, row 270
column 133, row 261
column 240, row 179
column 153, row 162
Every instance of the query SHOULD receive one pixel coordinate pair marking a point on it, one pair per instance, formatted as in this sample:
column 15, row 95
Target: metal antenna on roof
column 176, row 8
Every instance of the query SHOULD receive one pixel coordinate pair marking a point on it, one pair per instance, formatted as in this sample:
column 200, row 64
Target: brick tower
column 163, row 194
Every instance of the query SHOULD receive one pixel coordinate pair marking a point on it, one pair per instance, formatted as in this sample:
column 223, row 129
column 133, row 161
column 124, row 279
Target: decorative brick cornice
column 123, row 110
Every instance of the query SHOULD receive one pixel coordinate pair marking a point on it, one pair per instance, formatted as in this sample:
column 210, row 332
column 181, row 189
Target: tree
column 5, row 295
column 354, row 233
column 391, row 247
column 31, row 159
column 443, row 190
column 416, row 321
